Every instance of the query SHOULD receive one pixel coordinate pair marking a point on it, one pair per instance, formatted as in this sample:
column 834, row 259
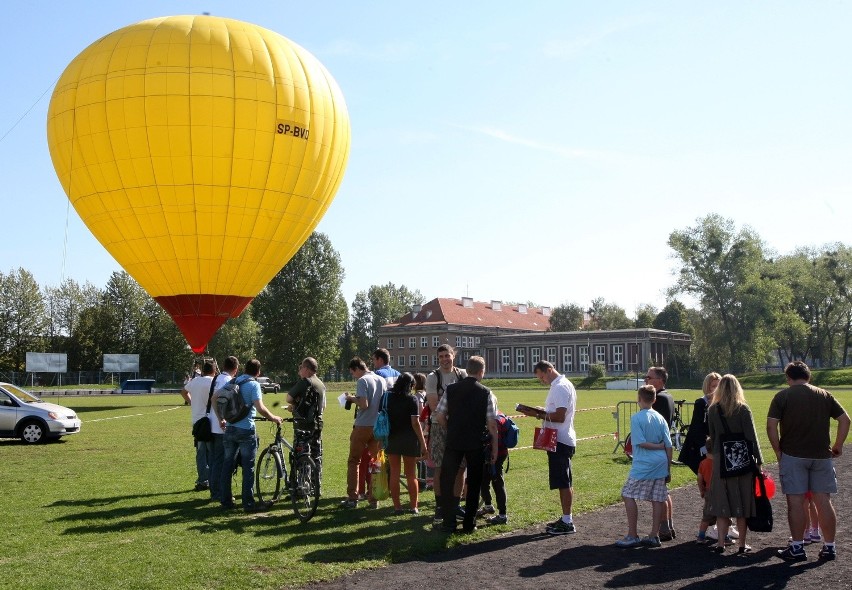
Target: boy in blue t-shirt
column 651, row 469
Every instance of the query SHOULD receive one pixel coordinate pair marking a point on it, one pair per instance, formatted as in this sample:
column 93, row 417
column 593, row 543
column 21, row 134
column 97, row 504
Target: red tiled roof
column 453, row 311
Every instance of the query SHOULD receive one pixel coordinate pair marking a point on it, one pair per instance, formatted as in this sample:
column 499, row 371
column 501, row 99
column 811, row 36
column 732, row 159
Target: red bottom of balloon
column 199, row 316
column 768, row 483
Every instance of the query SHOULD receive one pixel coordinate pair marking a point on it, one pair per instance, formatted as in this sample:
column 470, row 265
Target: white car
column 25, row 416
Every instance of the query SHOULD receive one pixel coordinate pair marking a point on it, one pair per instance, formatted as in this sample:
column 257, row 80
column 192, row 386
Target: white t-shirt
column 562, row 395
column 221, row 379
column 199, row 391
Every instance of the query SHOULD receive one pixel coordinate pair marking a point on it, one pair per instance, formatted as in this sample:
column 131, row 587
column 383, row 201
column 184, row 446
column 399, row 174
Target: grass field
column 113, row 506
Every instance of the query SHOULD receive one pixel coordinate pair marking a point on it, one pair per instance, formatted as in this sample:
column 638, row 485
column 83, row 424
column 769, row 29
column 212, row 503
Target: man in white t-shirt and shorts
column 558, row 413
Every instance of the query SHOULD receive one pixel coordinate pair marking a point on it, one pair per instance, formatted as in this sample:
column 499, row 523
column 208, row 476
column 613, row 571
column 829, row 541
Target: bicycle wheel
column 305, row 492
column 270, row 470
column 628, row 447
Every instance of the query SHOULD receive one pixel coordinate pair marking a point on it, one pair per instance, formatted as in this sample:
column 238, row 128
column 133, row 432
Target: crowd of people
column 447, row 425
column 724, row 451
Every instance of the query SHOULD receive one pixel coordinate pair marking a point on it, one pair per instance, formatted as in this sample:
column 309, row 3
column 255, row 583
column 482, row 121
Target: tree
column 65, row 304
column 607, row 316
column 673, row 318
column 723, row 268
column 645, row 315
column 372, row 309
column 238, row 337
column 23, row 318
column 302, row 312
column 567, row 317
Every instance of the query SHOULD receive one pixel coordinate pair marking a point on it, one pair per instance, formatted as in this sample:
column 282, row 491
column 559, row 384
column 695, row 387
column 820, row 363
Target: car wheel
column 33, row 432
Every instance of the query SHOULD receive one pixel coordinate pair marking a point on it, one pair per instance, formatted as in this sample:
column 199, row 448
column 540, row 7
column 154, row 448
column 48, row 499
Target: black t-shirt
column 664, row 404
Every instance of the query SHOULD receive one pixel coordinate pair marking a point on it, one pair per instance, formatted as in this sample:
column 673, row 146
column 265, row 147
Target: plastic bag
column 380, row 471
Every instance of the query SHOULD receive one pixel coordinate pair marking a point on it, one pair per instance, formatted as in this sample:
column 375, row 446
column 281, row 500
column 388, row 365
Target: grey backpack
column 230, row 403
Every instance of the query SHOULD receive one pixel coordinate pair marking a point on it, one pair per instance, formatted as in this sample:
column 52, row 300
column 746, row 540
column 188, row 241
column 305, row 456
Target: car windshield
column 22, row 395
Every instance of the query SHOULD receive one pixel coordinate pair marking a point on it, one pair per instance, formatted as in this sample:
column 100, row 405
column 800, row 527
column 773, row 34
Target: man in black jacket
column 468, row 410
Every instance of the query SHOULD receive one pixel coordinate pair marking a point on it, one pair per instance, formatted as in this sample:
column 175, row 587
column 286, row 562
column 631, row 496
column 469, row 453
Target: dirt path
column 529, row 558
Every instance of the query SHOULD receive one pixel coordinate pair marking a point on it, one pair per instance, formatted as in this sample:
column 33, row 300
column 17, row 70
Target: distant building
column 512, row 338
column 462, row 323
column 621, row 352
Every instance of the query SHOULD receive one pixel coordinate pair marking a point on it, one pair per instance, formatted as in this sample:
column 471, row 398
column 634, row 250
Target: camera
column 348, row 405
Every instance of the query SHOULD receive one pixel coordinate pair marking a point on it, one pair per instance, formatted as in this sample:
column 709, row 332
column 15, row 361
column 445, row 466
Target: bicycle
column 678, row 428
column 677, row 431
column 303, row 480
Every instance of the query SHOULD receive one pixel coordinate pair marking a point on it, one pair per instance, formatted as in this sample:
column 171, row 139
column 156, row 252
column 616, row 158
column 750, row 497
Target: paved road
column 531, row 559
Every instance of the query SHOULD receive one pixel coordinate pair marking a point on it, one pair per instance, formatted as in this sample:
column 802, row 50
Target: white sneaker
column 712, row 533
column 733, row 532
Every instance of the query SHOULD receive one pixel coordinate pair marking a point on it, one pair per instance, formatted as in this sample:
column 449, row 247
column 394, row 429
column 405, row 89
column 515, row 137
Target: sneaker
column 650, row 541
column 827, row 553
column 459, row 513
column 487, row 509
column 374, row 504
column 349, row 504
column 665, row 535
column 815, row 536
column 628, row 542
column 701, row 538
column 414, row 510
column 201, row 486
column 733, row 532
column 398, row 511
column 792, row 553
column 497, row 519
column 259, row 507
column 437, row 520
column 560, row 527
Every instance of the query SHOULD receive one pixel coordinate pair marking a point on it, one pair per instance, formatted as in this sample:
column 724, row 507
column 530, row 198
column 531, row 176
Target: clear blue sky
column 539, row 151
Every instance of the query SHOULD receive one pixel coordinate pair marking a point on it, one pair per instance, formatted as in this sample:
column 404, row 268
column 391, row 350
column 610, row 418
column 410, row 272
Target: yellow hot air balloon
column 201, row 152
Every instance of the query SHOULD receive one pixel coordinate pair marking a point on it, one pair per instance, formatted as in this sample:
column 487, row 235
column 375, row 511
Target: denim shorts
column 799, row 475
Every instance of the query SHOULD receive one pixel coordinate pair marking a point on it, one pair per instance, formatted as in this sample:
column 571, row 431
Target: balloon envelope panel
column 201, row 152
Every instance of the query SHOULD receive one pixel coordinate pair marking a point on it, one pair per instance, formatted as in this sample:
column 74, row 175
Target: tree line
column 752, row 307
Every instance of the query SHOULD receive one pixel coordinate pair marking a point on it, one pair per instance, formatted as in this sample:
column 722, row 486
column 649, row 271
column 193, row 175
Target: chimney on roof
column 415, row 309
column 545, row 311
column 522, row 308
column 496, row 305
column 467, row 302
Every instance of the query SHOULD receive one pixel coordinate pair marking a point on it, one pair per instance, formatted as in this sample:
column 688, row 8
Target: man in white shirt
column 558, row 413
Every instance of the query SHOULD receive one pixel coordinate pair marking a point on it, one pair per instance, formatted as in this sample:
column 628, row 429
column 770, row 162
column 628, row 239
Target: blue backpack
column 381, row 429
column 511, row 432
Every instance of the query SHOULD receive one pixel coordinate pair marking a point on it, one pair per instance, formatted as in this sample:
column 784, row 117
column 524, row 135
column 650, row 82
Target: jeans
column 202, row 468
column 244, row 441
column 216, row 458
column 495, row 479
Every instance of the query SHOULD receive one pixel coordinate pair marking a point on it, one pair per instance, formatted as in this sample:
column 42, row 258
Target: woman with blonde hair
column 731, row 497
column 693, row 449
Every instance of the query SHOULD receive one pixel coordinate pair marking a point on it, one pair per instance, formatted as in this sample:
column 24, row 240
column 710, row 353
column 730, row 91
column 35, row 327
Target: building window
column 436, row 341
column 466, row 355
column 424, row 341
column 520, row 360
column 434, row 360
column 478, row 339
column 551, row 355
column 505, row 360
column 600, row 354
column 458, row 341
column 584, row 358
column 567, row 359
column 412, row 360
column 400, row 360
column 390, row 343
column 535, row 356
column 424, row 360
column 412, row 342
column 402, row 342
column 617, row 357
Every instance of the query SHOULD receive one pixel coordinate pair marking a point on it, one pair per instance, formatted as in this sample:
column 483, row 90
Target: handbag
column 734, row 452
column 379, row 471
column 381, row 429
column 544, row 438
column 761, row 522
column 201, row 430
